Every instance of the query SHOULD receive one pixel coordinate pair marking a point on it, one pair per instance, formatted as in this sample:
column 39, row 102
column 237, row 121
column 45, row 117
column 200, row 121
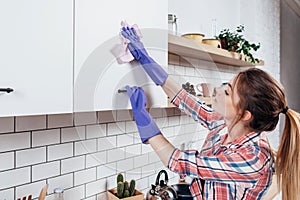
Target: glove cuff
column 149, row 131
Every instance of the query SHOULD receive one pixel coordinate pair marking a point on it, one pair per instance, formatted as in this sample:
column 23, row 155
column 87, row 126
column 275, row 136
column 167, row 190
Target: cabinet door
column 98, row 75
column 36, row 48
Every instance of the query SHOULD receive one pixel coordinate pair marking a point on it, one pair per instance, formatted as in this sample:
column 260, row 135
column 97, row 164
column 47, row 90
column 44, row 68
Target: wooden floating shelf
column 190, row 48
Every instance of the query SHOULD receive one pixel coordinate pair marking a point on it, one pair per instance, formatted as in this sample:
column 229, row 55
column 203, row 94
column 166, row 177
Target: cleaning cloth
column 121, row 51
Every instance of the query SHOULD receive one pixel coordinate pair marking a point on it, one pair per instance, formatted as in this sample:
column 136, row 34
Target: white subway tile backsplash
column 95, row 131
column 124, row 115
column 146, row 149
column 95, row 187
column 74, row 193
column 107, row 116
column 153, row 157
column 46, row 137
column 130, row 126
column 124, row 140
column 6, row 124
column 7, row 161
column 190, row 71
column 135, row 174
column 106, row 170
column 60, row 120
column 84, row 118
column 125, row 165
column 116, row 128
column 85, row 147
column 46, row 170
column 7, row 194
column 25, row 123
column 60, row 151
column 65, row 182
column 95, row 198
column 141, row 160
column 95, row 159
column 133, row 150
column 73, row 134
column 111, row 182
column 143, row 183
column 14, row 141
column 30, row 156
column 32, row 188
column 148, row 170
column 85, row 176
column 14, row 177
column 107, row 143
column 115, row 154
column 173, row 121
column 72, row 164
column 168, row 131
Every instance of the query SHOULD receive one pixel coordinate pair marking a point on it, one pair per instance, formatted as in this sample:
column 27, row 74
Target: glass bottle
column 58, row 194
column 172, row 24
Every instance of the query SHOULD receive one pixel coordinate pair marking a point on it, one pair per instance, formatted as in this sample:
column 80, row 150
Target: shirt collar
column 250, row 137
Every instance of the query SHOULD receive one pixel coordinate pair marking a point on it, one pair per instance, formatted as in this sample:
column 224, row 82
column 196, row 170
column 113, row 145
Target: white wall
column 195, row 16
column 290, row 54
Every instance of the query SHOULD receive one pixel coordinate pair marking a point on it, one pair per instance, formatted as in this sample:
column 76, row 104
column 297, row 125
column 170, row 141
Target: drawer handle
column 8, row 90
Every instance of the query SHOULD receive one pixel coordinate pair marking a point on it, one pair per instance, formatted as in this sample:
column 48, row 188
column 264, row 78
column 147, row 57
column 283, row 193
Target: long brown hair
column 265, row 98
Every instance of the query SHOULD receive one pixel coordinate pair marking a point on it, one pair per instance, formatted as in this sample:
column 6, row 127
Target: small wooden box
column 112, row 195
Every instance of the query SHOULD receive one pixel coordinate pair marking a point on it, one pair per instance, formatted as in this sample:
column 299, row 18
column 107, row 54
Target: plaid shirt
column 241, row 169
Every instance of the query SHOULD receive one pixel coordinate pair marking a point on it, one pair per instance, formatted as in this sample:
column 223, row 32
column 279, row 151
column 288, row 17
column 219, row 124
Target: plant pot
column 112, row 195
column 212, row 42
column 224, row 45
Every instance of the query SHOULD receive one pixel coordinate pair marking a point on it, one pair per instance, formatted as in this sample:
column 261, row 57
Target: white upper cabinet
column 98, row 75
column 36, row 48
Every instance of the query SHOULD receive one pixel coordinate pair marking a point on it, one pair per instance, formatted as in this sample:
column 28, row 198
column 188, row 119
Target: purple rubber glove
column 144, row 122
column 137, row 49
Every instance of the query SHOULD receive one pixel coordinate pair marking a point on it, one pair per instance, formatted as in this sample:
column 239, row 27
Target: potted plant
column 124, row 190
column 235, row 42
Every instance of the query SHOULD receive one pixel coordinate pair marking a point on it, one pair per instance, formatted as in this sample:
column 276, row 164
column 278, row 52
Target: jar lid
column 172, row 18
column 58, row 190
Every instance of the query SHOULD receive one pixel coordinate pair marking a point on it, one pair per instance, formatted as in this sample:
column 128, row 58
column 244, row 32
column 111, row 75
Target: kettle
column 161, row 190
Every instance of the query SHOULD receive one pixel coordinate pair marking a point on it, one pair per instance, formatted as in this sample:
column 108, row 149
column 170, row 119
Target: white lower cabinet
column 36, row 48
column 98, row 75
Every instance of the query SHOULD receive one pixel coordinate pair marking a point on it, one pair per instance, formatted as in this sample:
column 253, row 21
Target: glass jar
column 58, row 194
column 172, row 24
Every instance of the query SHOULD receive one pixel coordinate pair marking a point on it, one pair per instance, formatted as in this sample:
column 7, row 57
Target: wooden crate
column 112, row 195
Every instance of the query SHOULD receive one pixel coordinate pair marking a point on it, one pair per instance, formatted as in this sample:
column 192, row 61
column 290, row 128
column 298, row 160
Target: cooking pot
column 161, row 190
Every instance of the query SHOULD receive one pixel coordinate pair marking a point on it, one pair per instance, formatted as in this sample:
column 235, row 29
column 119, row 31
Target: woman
column 236, row 160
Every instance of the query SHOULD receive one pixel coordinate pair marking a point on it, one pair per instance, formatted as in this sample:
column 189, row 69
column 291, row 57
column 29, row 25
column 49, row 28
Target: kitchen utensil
column 43, row 192
column 194, row 36
column 161, row 190
column 212, row 42
column 183, row 190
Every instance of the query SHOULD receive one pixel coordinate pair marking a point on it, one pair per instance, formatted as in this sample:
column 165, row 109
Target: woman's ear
column 246, row 116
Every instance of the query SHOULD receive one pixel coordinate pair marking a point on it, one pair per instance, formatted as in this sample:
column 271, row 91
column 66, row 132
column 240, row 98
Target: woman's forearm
column 171, row 87
column 162, row 147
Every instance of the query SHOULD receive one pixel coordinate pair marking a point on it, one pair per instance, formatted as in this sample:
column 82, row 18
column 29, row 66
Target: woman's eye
column 226, row 92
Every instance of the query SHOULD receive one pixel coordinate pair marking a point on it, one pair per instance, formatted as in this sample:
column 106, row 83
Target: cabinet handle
column 121, row 91
column 8, row 90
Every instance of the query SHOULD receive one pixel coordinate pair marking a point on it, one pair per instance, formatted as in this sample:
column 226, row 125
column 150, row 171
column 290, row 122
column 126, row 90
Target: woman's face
column 225, row 100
